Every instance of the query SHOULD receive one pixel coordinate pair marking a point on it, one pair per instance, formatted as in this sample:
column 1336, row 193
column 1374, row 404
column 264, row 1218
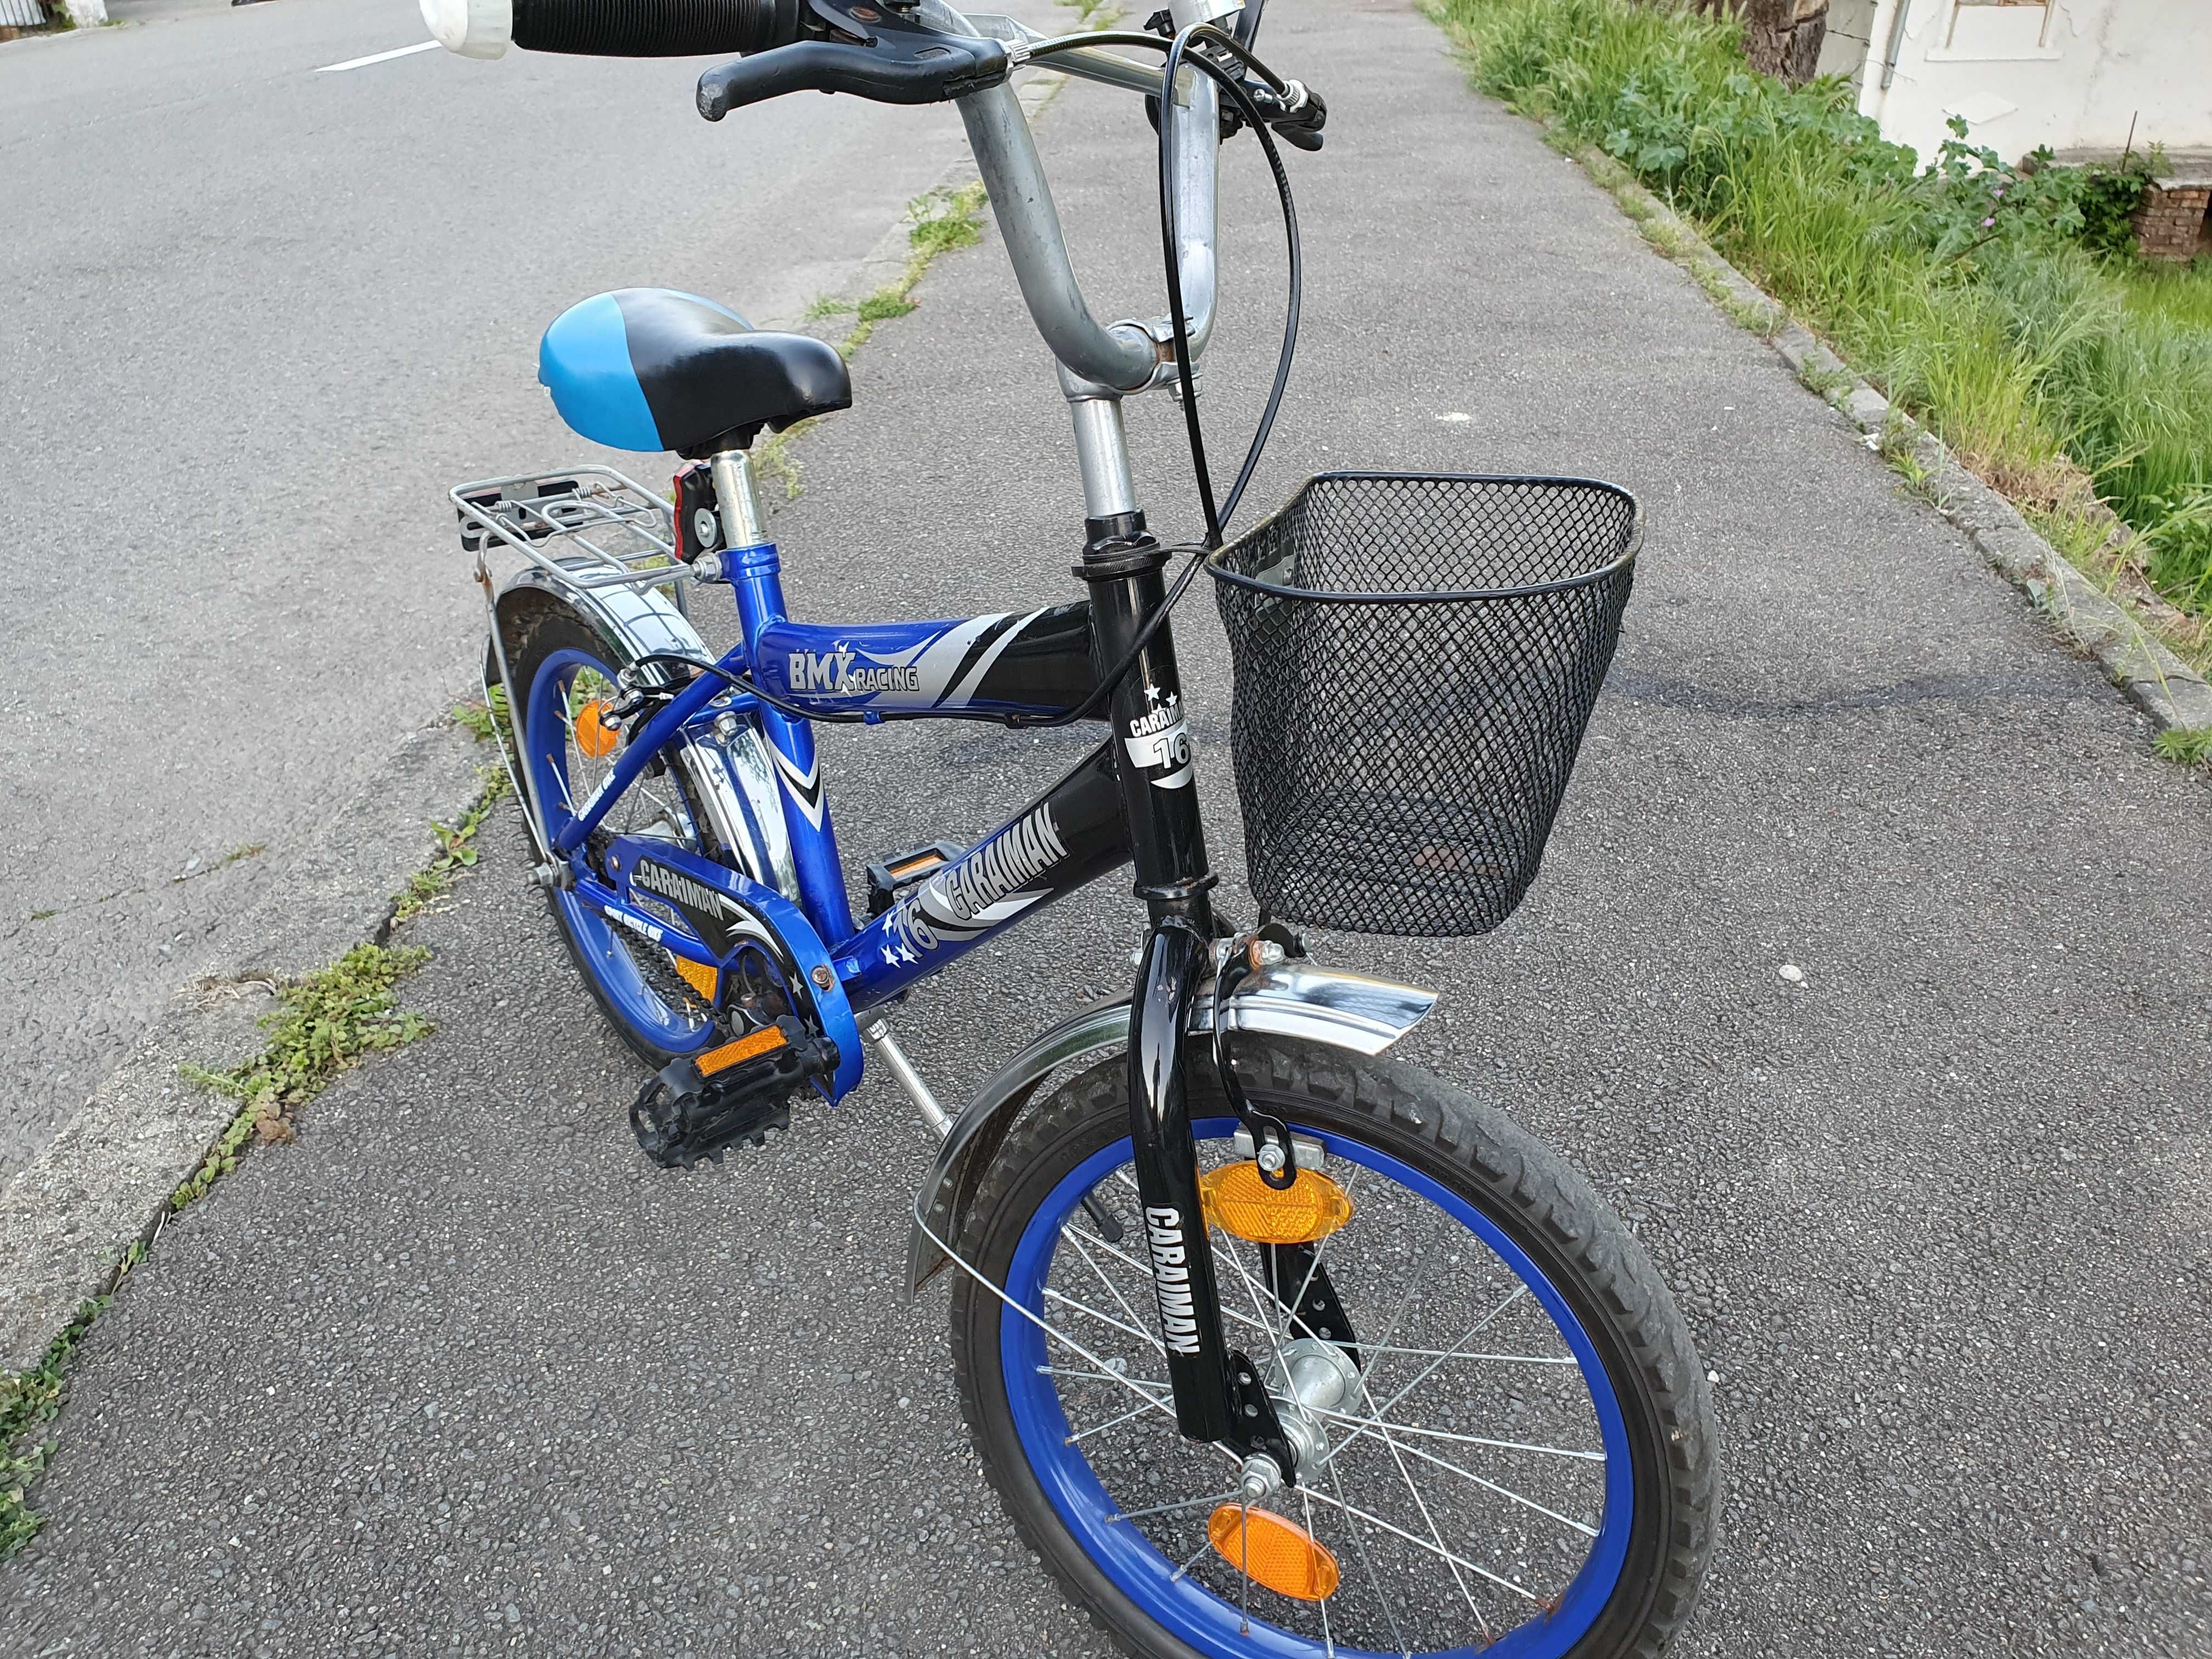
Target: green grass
column 2191, row 747
column 485, row 721
column 2179, row 293
column 1967, row 289
column 456, row 850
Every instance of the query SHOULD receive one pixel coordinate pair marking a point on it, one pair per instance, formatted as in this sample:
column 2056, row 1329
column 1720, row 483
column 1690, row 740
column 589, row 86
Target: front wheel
column 1514, row 1455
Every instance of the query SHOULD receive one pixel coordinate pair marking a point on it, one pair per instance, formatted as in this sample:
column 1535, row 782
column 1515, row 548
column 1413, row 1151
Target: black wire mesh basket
column 1416, row 658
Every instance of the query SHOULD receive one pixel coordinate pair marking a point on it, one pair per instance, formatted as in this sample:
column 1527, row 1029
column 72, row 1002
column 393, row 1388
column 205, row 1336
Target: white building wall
column 2071, row 74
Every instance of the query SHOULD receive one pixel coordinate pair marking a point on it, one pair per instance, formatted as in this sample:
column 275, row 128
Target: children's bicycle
column 1270, row 1344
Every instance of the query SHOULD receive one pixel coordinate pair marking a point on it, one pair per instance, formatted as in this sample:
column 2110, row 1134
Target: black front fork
column 1151, row 746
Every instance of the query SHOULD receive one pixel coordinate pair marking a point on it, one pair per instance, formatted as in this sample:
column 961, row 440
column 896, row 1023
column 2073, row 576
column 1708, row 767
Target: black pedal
column 696, row 1107
column 886, row 880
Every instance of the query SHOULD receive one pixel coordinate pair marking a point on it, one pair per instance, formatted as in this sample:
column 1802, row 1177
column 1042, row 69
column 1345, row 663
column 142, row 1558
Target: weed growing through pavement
column 939, row 221
column 457, row 851
column 28, row 1401
column 324, row 1024
column 1897, row 444
column 1828, row 383
column 485, row 721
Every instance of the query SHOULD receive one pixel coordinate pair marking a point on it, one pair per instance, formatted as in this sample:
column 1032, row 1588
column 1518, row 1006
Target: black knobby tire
column 541, row 631
column 1475, row 1151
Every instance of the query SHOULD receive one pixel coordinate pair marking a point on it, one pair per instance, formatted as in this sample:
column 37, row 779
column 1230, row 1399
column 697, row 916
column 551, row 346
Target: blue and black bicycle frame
column 1131, row 800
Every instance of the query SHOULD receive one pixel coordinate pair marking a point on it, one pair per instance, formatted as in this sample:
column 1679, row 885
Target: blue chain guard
column 751, row 917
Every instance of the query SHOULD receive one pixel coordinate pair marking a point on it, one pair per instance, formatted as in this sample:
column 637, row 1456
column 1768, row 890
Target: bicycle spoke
column 1501, row 1359
column 1251, row 1289
column 1375, row 1520
column 1472, row 1331
column 1370, row 1424
column 1090, row 1312
column 1170, row 1509
column 1112, row 1289
column 1123, row 1255
column 1139, row 1383
column 1327, row 1641
column 1360, row 1543
column 1100, row 1428
column 1191, row 1561
column 1419, row 1283
column 1429, row 1521
column 1244, row 1567
column 1468, row 1474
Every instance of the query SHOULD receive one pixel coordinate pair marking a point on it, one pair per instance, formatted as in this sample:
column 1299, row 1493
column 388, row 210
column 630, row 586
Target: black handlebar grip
column 655, row 29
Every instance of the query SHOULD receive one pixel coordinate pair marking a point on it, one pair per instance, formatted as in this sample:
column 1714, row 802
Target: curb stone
column 103, row 1182
column 2173, row 695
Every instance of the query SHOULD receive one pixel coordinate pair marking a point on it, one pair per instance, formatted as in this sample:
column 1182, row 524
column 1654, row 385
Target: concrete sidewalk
column 458, row 1372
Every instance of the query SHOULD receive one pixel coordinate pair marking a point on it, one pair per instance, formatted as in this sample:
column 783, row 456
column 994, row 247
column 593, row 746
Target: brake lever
column 889, row 57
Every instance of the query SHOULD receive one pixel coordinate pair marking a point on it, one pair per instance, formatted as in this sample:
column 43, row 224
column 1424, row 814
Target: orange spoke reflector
column 767, row 1040
column 1237, row 1200
column 1285, row 1557
column 696, row 974
column 595, row 735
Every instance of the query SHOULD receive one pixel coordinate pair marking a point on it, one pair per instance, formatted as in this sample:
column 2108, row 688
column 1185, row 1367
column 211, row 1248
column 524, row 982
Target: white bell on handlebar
column 474, row 28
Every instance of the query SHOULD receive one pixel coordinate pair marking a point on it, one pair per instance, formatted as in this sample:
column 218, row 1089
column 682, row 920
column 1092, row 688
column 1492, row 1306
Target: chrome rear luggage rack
column 586, row 527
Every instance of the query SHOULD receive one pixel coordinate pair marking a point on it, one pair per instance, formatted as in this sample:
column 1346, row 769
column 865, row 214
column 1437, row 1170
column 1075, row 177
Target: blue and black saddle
column 651, row 368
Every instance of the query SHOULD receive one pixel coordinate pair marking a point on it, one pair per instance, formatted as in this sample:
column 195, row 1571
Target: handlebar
column 921, row 51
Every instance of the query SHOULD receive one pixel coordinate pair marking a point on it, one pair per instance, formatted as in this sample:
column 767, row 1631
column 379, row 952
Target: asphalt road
column 457, row 1372
column 258, row 320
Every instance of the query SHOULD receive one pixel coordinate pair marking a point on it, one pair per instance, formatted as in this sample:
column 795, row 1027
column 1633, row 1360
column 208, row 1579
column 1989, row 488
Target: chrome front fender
column 1293, row 999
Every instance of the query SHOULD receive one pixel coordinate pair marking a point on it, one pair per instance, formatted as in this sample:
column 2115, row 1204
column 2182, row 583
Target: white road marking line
column 378, row 57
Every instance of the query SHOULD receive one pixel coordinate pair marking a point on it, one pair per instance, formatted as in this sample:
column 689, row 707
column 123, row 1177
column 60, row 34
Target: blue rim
column 605, row 956
column 1187, row 1610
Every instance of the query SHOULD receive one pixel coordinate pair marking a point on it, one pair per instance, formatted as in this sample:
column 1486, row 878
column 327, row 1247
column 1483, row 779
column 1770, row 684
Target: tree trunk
column 1780, row 37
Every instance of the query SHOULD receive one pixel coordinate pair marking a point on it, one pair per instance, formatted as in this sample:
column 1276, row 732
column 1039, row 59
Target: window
column 1998, row 28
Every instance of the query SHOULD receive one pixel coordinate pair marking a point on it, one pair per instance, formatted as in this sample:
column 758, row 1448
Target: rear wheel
column 1519, row 1461
column 565, row 673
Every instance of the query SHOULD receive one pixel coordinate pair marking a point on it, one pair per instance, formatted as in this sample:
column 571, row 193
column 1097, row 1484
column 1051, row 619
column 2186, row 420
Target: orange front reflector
column 767, row 1040
column 595, row 735
column 697, row 974
column 1239, row 1201
column 1283, row 1557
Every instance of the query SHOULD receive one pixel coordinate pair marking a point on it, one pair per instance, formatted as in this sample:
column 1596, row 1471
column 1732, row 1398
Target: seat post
column 743, row 523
